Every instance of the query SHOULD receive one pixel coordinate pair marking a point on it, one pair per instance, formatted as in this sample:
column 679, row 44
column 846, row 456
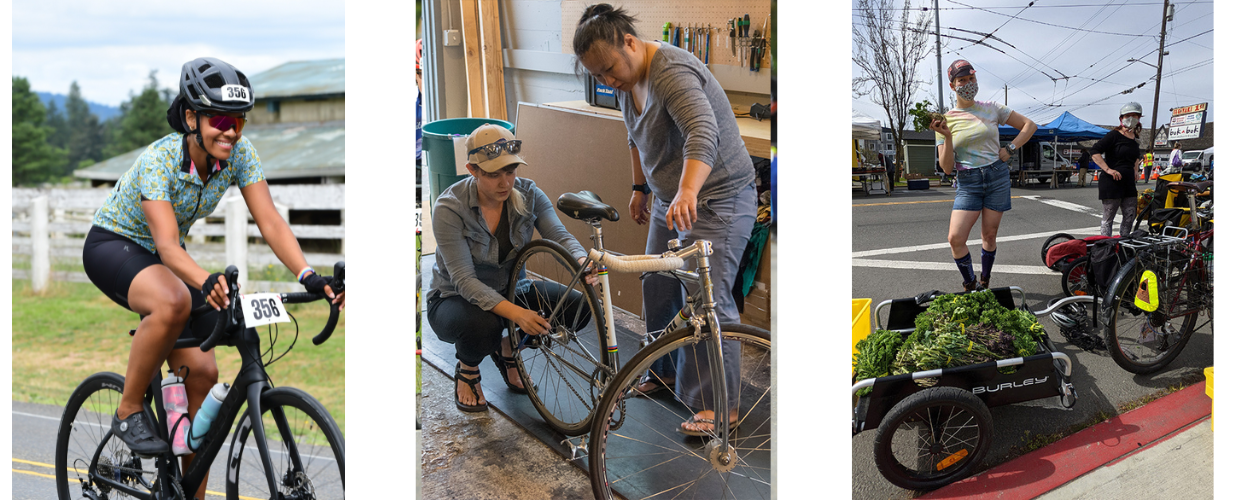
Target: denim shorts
column 985, row 187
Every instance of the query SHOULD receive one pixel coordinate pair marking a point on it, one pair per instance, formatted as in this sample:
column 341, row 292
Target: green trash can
column 440, row 149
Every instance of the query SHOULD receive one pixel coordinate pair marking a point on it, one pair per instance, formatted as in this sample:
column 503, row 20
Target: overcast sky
column 110, row 47
column 1086, row 41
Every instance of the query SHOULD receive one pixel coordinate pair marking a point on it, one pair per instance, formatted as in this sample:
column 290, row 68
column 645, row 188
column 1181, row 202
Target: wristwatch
column 1011, row 147
column 642, row 188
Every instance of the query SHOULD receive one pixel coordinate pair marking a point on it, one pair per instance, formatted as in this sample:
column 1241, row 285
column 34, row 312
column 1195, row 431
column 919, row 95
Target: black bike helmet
column 209, row 84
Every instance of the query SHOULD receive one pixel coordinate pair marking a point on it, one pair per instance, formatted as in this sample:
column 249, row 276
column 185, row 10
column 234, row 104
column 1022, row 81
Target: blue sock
column 965, row 267
column 987, row 263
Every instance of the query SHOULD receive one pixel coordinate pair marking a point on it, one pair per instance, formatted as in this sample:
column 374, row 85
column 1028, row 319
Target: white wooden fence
column 52, row 224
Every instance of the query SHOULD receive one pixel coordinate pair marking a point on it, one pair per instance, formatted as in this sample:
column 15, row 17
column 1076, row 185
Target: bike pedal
column 574, row 447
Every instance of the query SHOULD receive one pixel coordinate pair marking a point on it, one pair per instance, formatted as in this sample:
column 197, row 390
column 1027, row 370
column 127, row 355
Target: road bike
column 571, row 373
column 1153, row 303
column 284, row 446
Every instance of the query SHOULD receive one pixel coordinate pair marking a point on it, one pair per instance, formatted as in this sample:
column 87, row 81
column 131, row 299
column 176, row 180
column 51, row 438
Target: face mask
column 967, row 92
column 1129, row 121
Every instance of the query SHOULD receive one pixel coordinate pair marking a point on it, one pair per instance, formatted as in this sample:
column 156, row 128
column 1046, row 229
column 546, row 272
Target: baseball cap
column 959, row 68
column 488, row 134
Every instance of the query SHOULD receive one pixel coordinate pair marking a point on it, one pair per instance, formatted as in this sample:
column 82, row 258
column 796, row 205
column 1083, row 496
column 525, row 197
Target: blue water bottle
column 208, row 412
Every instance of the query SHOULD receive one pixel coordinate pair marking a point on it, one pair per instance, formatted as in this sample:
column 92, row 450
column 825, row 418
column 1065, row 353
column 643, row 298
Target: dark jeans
column 477, row 333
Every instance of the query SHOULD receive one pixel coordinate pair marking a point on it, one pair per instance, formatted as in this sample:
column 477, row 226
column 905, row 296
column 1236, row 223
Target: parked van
column 1039, row 160
column 1197, row 160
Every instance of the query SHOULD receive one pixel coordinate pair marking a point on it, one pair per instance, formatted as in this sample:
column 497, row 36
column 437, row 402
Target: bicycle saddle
column 586, row 206
column 1190, row 186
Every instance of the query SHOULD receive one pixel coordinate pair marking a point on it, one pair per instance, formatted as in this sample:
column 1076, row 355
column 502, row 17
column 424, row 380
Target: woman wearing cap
column 479, row 224
column 686, row 148
column 968, row 146
column 1119, row 156
column 134, row 251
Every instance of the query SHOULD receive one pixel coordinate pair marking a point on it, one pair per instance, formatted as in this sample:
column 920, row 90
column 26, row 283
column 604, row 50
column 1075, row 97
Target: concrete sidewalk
column 1164, row 449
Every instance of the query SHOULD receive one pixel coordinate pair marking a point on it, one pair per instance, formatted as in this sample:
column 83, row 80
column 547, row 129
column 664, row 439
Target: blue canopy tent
column 1066, row 127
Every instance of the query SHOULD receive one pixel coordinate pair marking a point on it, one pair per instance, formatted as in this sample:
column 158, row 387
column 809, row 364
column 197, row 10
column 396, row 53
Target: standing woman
column 134, row 251
column 967, row 140
column 1118, row 155
column 686, row 148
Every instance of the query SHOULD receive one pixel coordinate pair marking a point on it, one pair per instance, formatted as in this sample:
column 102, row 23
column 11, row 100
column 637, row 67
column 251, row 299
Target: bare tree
column 888, row 45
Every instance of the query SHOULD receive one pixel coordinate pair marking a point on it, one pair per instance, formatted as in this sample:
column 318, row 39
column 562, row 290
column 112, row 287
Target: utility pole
column 1004, row 94
column 1154, row 113
column 937, row 35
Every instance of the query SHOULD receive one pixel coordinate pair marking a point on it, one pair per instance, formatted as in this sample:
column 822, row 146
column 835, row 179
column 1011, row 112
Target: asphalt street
column 899, row 249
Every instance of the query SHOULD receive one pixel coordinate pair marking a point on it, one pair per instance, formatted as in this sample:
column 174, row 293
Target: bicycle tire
column 1076, row 279
column 564, row 371
column 1055, row 239
column 1134, row 349
column 624, row 454
column 85, row 423
column 935, row 407
column 314, row 439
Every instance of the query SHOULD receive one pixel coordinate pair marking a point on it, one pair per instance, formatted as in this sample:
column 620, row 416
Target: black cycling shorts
column 112, row 261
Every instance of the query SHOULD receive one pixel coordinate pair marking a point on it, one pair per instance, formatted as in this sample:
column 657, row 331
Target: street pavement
column 899, row 250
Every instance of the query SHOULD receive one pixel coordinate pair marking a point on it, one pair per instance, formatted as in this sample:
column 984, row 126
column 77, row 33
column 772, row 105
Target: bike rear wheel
column 564, row 370
column 305, row 449
column 1144, row 342
column 87, row 453
column 640, row 454
column 1076, row 279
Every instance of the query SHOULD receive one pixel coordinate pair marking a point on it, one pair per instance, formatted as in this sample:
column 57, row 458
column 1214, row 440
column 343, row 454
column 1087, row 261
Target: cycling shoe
column 137, row 433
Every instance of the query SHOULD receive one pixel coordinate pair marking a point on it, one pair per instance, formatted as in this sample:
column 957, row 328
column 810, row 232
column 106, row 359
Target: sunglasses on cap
column 497, row 148
column 226, row 122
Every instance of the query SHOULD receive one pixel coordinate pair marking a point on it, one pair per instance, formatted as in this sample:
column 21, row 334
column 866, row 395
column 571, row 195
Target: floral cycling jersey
column 164, row 173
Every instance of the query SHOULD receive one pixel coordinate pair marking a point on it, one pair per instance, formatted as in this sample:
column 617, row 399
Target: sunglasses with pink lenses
column 226, row 122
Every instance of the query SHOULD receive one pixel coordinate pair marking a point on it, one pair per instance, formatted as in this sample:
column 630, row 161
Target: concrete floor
column 466, row 456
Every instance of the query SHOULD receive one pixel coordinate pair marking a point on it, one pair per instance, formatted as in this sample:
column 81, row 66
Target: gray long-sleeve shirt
column 467, row 261
column 686, row 116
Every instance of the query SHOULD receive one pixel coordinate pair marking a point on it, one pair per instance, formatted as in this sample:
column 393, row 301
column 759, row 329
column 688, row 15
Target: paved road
column 899, row 250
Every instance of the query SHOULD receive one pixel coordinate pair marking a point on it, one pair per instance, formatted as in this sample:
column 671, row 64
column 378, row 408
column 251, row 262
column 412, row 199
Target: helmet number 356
column 235, row 93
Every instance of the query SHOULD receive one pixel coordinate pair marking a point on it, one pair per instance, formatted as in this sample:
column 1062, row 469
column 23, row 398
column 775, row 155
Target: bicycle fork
column 720, row 455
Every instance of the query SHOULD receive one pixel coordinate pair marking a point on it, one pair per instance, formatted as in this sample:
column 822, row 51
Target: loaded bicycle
column 573, row 374
column 285, row 444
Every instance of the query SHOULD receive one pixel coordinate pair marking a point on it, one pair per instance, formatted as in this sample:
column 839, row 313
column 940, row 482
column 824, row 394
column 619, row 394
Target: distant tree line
column 50, row 143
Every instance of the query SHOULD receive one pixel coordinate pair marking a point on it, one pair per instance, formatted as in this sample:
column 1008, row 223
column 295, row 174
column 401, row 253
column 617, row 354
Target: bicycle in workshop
column 284, row 446
column 1153, row 303
column 572, row 377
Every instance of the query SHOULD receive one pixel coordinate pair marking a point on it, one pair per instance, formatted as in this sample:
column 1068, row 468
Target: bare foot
column 702, row 421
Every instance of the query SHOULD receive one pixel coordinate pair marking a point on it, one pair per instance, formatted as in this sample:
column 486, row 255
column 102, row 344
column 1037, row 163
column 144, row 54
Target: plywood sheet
column 569, row 151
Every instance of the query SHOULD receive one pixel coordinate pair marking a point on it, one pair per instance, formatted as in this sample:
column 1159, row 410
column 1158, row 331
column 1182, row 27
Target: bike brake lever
column 224, row 316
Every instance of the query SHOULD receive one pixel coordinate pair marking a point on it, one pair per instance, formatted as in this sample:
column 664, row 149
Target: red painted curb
column 1048, row 468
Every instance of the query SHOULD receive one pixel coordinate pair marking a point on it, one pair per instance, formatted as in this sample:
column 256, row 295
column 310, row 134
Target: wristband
column 303, row 273
column 642, row 188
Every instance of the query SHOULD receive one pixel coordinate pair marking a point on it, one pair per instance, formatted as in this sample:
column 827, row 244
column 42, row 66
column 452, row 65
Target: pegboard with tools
column 726, row 32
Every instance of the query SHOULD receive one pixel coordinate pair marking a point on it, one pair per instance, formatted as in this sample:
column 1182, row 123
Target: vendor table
column 873, row 180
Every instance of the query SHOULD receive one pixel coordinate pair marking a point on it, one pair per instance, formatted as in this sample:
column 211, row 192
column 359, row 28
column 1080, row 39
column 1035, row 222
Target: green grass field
column 72, row 331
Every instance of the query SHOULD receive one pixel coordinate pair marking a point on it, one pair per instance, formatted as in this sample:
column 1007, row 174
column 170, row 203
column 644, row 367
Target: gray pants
column 1128, row 211
column 727, row 223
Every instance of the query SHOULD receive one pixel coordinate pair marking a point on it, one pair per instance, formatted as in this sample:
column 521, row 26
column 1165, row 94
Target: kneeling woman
column 134, row 252
column 479, row 223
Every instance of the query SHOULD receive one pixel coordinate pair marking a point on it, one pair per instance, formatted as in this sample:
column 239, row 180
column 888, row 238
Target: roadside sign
column 1187, row 122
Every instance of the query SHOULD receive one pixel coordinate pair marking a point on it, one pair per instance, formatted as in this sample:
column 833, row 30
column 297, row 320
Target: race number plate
column 235, row 93
column 263, row 309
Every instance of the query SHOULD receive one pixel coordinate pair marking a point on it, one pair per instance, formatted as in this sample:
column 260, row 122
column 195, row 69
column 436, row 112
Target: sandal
column 657, row 385
column 505, row 363
column 696, row 420
column 460, row 376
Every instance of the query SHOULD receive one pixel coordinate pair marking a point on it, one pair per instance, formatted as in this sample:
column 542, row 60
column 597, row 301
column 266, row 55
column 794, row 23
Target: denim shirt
column 467, row 260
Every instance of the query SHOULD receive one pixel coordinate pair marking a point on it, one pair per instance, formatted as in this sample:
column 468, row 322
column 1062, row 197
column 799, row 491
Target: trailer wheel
column 933, row 438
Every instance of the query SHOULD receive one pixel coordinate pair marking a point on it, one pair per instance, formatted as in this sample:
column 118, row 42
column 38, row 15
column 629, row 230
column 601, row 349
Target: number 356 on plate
column 263, row 309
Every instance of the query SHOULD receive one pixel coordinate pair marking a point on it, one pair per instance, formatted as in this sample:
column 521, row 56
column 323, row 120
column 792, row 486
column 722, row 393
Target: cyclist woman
column 967, row 140
column 686, row 148
column 135, row 252
column 479, row 224
column 1119, row 155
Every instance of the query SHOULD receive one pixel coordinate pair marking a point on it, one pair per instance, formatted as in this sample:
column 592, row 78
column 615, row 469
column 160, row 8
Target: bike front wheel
column 305, row 450
column 636, row 448
column 90, row 461
column 1141, row 341
column 563, row 370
